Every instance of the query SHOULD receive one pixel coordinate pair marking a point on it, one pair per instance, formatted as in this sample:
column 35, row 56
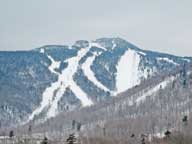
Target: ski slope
column 54, row 93
column 128, row 71
column 86, row 67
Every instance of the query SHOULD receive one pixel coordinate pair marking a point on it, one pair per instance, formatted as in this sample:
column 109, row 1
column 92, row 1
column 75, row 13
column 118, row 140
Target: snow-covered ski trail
column 65, row 79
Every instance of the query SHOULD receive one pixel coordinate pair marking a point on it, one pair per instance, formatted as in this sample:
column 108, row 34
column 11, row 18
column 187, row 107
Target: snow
column 48, row 94
column 65, row 79
column 167, row 60
column 4, row 137
column 154, row 90
column 147, row 72
column 142, row 53
column 128, row 71
column 81, row 95
column 159, row 135
column 54, row 64
column 53, row 103
column 114, row 45
column 42, row 50
column 188, row 60
column 89, row 73
column 93, row 44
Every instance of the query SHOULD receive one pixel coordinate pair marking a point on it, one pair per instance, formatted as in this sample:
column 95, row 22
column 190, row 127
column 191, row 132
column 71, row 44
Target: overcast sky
column 158, row 25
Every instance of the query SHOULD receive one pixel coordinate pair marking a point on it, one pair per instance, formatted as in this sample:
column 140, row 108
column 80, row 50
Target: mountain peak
column 81, row 44
column 120, row 42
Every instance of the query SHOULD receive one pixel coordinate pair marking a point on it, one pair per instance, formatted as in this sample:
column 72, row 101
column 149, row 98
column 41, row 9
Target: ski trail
column 89, row 73
column 81, row 95
column 93, row 44
column 54, row 65
column 48, row 94
column 114, row 45
column 65, row 79
column 156, row 88
column 127, row 71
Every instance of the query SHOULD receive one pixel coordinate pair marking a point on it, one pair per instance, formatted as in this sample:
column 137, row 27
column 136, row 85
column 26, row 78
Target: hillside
column 151, row 108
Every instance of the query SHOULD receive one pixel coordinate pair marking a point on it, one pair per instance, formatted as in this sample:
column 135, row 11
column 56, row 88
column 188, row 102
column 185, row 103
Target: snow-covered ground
column 89, row 73
column 128, row 71
column 114, row 45
column 156, row 88
column 54, row 65
column 187, row 60
column 167, row 60
column 48, row 94
column 93, row 44
column 42, row 51
column 142, row 53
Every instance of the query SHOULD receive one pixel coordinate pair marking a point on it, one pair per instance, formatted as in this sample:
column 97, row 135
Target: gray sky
column 158, row 25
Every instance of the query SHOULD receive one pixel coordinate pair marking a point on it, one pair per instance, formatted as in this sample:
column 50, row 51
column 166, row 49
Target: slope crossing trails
column 155, row 89
column 65, row 79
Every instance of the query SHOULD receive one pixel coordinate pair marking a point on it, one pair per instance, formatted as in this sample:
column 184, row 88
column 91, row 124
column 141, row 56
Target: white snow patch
column 93, row 44
column 114, row 45
column 4, row 137
column 156, row 135
column 142, row 53
column 148, row 72
column 42, row 50
column 89, row 73
column 167, row 60
column 188, row 60
column 128, row 71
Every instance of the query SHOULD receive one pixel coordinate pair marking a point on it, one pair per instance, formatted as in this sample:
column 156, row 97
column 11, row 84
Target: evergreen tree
column 71, row 139
column 185, row 120
column 167, row 133
column 45, row 141
column 11, row 134
column 143, row 140
column 132, row 135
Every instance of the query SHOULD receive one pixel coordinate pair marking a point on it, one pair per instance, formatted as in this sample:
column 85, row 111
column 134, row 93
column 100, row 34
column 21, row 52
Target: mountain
column 40, row 83
column 157, row 105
